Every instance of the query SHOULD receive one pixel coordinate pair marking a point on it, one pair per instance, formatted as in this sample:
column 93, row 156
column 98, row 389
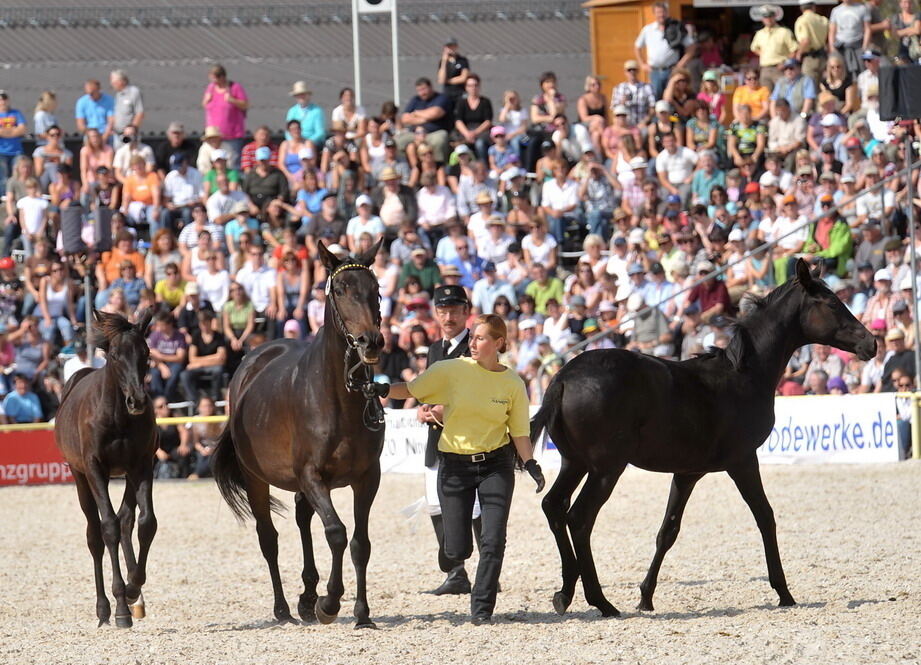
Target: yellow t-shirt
column 482, row 408
column 170, row 296
column 813, row 28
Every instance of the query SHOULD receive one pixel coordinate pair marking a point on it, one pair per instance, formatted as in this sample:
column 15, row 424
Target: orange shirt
column 112, row 260
column 757, row 99
column 141, row 189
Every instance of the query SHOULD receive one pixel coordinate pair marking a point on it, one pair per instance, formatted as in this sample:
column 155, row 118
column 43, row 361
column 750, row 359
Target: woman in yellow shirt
column 485, row 405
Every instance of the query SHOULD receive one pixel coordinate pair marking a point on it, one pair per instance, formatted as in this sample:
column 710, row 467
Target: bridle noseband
column 373, row 415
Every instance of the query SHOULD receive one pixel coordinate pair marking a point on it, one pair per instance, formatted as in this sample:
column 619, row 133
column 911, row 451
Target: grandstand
column 166, row 50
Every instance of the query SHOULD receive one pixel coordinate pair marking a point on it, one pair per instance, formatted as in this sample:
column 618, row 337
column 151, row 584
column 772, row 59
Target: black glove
column 375, row 389
column 533, row 469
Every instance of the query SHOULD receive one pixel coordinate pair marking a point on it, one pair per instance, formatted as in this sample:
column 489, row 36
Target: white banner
column 718, row 4
column 829, row 429
column 833, row 428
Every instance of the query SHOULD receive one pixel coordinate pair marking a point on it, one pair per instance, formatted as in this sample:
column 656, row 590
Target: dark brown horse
column 300, row 421
column 105, row 428
column 607, row 409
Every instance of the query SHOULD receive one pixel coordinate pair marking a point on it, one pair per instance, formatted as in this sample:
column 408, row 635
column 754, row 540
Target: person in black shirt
column 174, row 454
column 453, row 69
column 392, row 360
column 177, row 142
column 900, row 358
column 473, row 118
column 207, row 355
column 431, row 111
column 327, row 226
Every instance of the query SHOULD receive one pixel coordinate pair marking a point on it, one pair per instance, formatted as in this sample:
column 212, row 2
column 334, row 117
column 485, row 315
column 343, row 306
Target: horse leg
column 682, row 486
column 94, row 543
column 111, row 535
column 364, row 492
column 257, row 492
column 126, row 523
column 303, row 512
column 748, row 479
column 147, row 529
column 327, row 607
column 555, row 505
column 581, row 520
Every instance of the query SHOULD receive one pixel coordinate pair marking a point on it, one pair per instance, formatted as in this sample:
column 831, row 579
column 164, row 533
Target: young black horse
column 105, row 428
column 606, row 409
column 300, row 421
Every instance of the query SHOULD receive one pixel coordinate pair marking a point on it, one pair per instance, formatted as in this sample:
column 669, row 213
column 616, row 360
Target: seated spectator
column 394, row 201
column 571, row 140
column 238, row 321
column 798, row 90
column 473, row 116
column 261, row 139
column 423, row 269
column 173, row 458
column 266, row 187
column 203, row 438
column 543, row 287
column 21, row 405
column 711, row 296
column 363, row 222
column 56, row 304
column 829, row 241
column 431, row 111
column 182, row 190
column 141, row 195
column 125, row 159
column 80, row 359
column 177, row 143
column 292, row 290
column 168, row 353
column 212, row 141
column 488, row 289
column 650, row 331
column 129, row 283
column 207, row 357
column 170, row 290
column 469, row 265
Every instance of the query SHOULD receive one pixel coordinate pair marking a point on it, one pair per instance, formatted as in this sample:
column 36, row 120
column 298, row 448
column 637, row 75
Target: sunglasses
column 211, row 258
column 904, row 384
column 171, row 272
column 57, row 270
column 751, row 78
column 54, row 133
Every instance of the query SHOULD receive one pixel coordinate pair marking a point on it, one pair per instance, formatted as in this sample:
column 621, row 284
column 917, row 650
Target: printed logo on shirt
column 503, row 402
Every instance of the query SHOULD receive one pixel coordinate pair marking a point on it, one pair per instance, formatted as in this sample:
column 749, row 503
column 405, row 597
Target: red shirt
column 709, row 295
column 248, row 158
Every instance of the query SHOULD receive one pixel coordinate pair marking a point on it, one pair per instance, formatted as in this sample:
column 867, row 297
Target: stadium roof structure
column 166, row 51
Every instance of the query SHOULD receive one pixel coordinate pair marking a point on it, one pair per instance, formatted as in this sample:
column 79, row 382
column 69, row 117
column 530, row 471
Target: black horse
column 607, row 409
column 301, row 421
column 105, row 428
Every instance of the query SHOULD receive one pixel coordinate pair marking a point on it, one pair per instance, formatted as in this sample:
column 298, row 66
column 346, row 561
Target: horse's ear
column 803, row 275
column 367, row 258
column 96, row 335
column 144, row 321
column 329, row 260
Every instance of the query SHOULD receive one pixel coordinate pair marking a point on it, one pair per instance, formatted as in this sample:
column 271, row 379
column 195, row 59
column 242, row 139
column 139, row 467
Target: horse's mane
column 107, row 327
column 740, row 343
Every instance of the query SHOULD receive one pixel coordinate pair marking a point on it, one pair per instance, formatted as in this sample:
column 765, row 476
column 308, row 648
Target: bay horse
column 105, row 428
column 301, row 421
column 609, row 408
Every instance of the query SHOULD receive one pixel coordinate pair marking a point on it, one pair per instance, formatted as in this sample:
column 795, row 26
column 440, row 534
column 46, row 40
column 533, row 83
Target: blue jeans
column 10, row 233
column 165, row 387
column 6, row 170
column 658, row 79
column 556, row 226
column 459, row 484
column 60, row 323
column 599, row 222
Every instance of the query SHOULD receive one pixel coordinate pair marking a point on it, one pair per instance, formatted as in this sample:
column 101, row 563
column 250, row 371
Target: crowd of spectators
column 566, row 217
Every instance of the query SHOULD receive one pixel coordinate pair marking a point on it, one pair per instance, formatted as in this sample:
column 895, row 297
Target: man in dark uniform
column 451, row 311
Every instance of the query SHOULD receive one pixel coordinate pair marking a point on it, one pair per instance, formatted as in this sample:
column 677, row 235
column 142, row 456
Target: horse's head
column 824, row 319
column 127, row 354
column 353, row 296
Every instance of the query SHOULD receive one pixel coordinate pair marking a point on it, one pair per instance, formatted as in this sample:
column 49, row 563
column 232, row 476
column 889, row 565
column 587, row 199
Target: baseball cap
column 635, row 269
column 882, row 275
column 895, row 333
column 709, row 75
column 305, row 153
column 705, row 266
column 489, row 266
column 419, row 302
column 635, row 237
column 736, row 235
column 869, row 54
column 768, row 179
column 631, row 64
column 240, row 207
column 620, row 109
column 871, row 170
column 547, row 145
column 418, row 251
column 899, row 307
column 790, row 62
column 852, row 142
column 673, row 198
column 292, row 326
column 830, row 120
column 663, row 106
column 175, row 126
column 191, row 289
column 893, row 244
column 263, row 153
column 656, row 268
column 7, row 263
column 848, row 178
column 789, row 198
column 607, row 306
column 498, row 130
column 620, row 241
column 218, row 154
column 590, row 326
column 462, row 149
column 510, row 174
column 577, row 301
column 828, row 147
column 878, row 324
column 638, row 163
column 451, row 294
column 176, row 160
column 542, row 339
column 390, row 143
column 362, row 200
column 527, row 324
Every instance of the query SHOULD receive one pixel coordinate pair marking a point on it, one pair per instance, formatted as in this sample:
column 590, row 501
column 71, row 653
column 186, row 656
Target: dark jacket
column 407, row 198
column 436, row 353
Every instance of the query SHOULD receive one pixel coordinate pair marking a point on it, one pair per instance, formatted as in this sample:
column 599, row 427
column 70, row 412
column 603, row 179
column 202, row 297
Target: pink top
column 224, row 115
column 715, row 102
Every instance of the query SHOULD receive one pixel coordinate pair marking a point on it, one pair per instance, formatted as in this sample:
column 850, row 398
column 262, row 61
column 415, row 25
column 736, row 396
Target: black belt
column 818, row 53
column 476, row 457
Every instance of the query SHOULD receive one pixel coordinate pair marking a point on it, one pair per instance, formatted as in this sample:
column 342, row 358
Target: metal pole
column 88, row 306
column 395, row 42
column 356, row 53
column 909, row 139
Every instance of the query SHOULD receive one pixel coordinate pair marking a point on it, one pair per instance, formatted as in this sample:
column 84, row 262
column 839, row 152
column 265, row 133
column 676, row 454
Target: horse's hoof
column 786, row 602
column 282, row 620
column 123, row 621
column 103, row 622
column 366, row 624
column 322, row 616
column 561, row 603
column 137, row 608
column 306, row 612
column 645, row 606
column 608, row 610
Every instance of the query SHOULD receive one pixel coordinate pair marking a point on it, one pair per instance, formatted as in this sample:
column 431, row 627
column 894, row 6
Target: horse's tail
column 549, row 409
column 229, row 477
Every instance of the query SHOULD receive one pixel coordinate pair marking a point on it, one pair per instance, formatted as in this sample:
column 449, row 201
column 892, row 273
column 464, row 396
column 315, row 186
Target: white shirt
column 677, row 166
column 575, row 143
column 539, row 253
column 658, row 53
column 214, row 287
column 783, row 225
column 123, row 155
column 33, row 212
column 436, row 207
column 183, row 189
column 559, row 198
column 477, row 228
column 74, row 365
column 258, row 284
column 456, row 340
column 223, row 204
column 357, row 226
column 873, row 204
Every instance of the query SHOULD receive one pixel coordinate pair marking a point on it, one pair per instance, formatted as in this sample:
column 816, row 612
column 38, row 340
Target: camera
column 127, row 139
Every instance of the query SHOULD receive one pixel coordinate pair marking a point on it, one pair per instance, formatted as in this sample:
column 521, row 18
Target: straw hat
column 211, row 132
column 300, row 88
column 388, row 173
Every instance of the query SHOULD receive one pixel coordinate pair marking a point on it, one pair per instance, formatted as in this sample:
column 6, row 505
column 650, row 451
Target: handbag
column 914, row 48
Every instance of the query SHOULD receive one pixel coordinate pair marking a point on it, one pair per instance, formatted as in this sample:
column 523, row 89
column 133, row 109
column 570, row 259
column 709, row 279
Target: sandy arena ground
column 850, row 538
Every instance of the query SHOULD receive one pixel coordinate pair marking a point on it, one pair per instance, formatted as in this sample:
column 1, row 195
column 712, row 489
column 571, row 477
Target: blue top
column 9, row 120
column 313, row 122
column 22, row 408
column 438, row 99
column 95, row 112
column 313, row 200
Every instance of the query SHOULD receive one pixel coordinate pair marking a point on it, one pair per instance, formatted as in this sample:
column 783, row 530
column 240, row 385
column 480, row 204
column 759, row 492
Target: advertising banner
column 31, row 458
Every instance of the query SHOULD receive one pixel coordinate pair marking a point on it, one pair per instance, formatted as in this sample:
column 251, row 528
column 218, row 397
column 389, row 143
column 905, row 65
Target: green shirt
column 541, row 294
column 238, row 315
